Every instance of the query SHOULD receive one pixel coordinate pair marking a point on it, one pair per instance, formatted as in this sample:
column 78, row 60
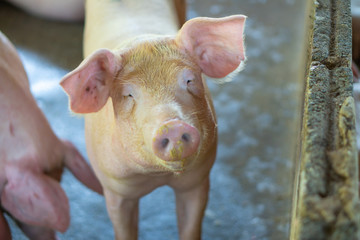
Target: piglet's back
column 10, row 64
column 22, row 122
column 110, row 23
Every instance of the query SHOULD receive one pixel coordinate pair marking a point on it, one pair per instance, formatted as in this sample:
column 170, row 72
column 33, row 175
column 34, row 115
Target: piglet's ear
column 88, row 86
column 216, row 43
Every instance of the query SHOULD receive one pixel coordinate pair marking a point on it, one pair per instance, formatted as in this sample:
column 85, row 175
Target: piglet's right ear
column 88, row 86
column 217, row 44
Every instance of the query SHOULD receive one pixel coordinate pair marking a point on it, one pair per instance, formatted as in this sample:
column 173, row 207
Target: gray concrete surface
column 258, row 114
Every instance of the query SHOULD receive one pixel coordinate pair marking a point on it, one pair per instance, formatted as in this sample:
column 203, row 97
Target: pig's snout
column 175, row 140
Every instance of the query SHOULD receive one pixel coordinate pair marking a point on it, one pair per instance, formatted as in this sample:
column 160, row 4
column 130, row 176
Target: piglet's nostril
column 164, row 142
column 186, row 137
column 175, row 140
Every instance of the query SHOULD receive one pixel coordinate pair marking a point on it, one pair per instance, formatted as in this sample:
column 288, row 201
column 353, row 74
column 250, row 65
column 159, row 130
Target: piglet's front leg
column 190, row 207
column 124, row 215
column 79, row 167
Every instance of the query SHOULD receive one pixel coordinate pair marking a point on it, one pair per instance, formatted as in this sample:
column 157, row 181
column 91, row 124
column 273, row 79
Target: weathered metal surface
column 327, row 204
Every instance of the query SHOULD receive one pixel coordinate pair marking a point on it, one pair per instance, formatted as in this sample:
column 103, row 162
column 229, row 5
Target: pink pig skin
column 149, row 117
column 32, row 157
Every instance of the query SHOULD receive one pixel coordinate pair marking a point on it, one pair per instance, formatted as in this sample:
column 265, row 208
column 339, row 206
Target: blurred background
column 258, row 116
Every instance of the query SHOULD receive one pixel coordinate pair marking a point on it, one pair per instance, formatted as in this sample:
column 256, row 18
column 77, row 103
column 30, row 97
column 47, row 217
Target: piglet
column 32, row 158
column 149, row 117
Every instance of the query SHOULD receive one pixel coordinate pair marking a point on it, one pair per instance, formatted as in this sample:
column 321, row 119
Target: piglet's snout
column 175, row 140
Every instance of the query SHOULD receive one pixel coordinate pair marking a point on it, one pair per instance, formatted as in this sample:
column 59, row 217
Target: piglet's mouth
column 174, row 166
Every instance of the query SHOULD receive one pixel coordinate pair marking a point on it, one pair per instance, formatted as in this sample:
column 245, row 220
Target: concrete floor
column 258, row 114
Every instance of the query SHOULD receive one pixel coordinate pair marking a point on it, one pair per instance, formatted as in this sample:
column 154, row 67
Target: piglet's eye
column 191, row 83
column 187, row 79
column 188, row 76
column 127, row 96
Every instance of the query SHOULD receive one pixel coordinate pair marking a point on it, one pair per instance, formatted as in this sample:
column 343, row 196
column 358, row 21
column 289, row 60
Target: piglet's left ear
column 216, row 43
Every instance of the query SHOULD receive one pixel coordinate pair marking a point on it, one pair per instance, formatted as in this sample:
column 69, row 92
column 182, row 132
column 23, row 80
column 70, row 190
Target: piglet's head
column 157, row 88
column 216, row 45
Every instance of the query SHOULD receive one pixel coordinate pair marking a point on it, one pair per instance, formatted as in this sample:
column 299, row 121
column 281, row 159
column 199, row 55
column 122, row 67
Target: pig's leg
column 38, row 233
column 5, row 233
column 36, row 199
column 124, row 215
column 190, row 208
column 79, row 167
